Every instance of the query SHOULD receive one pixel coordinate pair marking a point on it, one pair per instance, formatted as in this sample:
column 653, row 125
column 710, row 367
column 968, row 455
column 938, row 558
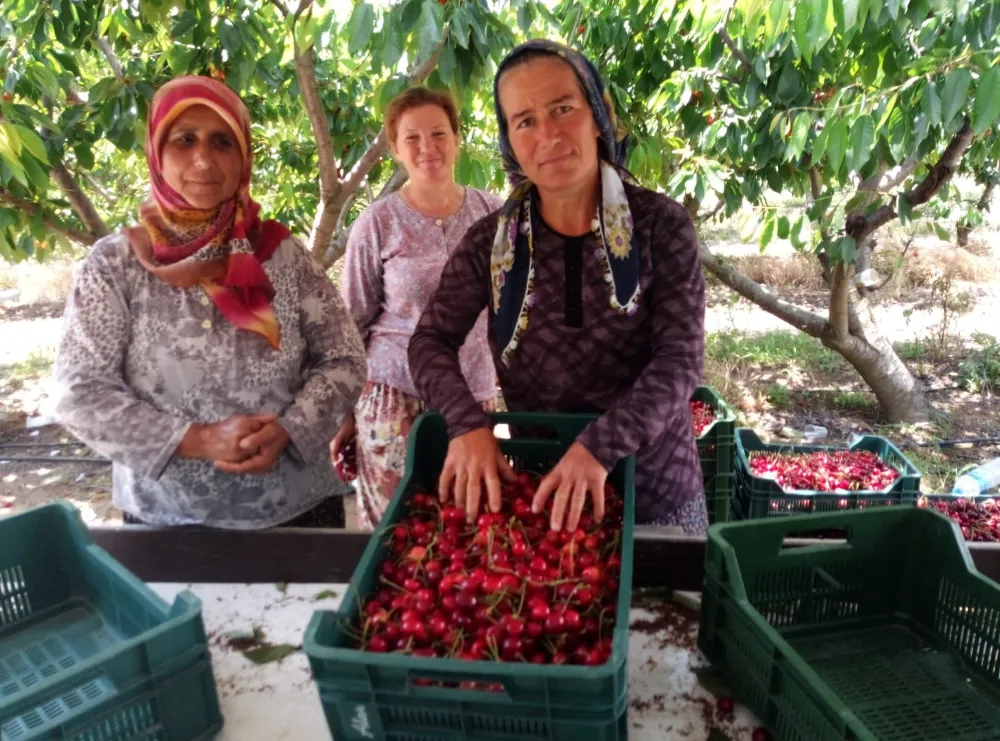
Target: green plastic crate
column 756, row 497
column 715, row 450
column 979, row 499
column 373, row 696
column 87, row 651
column 888, row 635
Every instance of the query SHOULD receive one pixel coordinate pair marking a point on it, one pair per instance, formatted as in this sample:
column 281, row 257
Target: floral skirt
column 383, row 417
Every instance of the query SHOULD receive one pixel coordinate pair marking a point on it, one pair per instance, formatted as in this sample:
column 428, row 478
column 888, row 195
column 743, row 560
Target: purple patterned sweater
column 579, row 355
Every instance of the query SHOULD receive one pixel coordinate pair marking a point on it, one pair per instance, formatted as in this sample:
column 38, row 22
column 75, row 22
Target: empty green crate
column 715, row 450
column 373, row 696
column 756, row 497
column 888, row 635
column 87, row 651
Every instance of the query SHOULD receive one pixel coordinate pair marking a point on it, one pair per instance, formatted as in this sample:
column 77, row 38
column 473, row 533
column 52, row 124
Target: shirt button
column 207, row 324
column 205, row 300
column 439, row 222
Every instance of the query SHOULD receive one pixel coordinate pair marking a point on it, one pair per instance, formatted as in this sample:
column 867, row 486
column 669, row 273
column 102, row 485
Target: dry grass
column 38, row 282
column 792, row 271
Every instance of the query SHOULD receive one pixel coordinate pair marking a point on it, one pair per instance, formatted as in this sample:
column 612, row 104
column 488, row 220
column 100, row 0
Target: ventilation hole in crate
column 53, row 710
column 17, row 664
column 73, row 700
column 67, row 661
column 4, row 675
column 48, row 670
column 12, row 731
column 9, row 689
column 32, row 719
column 35, row 655
column 14, row 602
column 92, row 690
column 55, row 647
column 29, row 680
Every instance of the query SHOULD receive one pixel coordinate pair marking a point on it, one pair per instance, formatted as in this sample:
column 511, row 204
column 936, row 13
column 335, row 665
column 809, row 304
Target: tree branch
column 839, row 297
column 305, row 68
column 897, row 175
column 79, row 200
column 728, row 41
column 706, row 215
column 860, row 226
column 109, row 54
column 812, row 324
column 51, row 223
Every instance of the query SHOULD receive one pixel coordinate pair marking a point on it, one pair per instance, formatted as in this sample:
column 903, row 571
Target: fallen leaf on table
column 713, row 682
column 282, row 587
column 267, row 654
column 325, row 594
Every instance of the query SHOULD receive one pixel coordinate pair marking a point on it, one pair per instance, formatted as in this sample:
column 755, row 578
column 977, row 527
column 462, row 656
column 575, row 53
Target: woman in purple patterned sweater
column 395, row 254
column 596, row 304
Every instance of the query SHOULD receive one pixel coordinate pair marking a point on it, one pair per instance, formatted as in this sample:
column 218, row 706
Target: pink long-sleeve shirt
column 392, row 267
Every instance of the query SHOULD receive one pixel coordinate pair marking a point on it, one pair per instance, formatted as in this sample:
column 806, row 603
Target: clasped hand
column 242, row 444
column 475, row 459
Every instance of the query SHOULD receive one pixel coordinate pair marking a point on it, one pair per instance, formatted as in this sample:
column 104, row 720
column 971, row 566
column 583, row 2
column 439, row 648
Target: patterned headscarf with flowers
column 221, row 249
column 512, row 267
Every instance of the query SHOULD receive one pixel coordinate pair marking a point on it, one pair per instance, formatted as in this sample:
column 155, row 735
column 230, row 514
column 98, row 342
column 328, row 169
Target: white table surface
column 278, row 701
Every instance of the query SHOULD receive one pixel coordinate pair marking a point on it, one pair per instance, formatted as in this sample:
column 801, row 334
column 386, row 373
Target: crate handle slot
column 449, row 687
column 832, row 534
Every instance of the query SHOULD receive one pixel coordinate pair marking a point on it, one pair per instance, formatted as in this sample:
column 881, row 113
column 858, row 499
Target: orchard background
column 840, row 158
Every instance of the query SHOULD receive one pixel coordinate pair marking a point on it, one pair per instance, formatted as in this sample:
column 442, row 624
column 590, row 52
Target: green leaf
column 800, row 132
column 767, row 234
column 269, row 654
column 325, row 594
column 955, row 94
column 776, row 20
column 10, row 140
column 429, row 28
column 393, row 41
column 35, row 173
column 836, row 147
column 524, row 18
column 783, row 227
column 819, row 146
column 713, row 682
column 849, row 13
column 460, row 26
column 904, row 210
column 446, row 65
column 360, row 28
column 848, row 249
column 862, row 141
column 802, row 25
column 822, row 23
column 890, row 106
column 942, row 232
column 796, row 235
column 789, row 84
column 986, row 107
column 931, row 104
column 84, row 156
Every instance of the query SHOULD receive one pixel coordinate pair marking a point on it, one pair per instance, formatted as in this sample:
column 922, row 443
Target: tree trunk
column 79, row 201
column 962, row 232
column 900, row 396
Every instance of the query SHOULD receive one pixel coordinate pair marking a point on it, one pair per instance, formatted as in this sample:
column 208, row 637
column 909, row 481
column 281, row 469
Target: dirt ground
column 777, row 379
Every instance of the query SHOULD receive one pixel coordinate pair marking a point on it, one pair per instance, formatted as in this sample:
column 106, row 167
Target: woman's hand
column 221, row 441
column 264, row 447
column 344, row 436
column 577, row 474
column 473, row 458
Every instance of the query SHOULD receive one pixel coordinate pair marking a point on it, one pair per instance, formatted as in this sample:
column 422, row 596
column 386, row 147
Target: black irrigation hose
column 954, row 443
column 52, row 459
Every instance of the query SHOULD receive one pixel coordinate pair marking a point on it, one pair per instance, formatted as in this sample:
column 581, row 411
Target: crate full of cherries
column 499, row 623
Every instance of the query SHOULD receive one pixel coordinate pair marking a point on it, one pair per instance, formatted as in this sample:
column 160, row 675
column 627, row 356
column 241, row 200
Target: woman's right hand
column 474, row 458
column 221, row 441
column 343, row 437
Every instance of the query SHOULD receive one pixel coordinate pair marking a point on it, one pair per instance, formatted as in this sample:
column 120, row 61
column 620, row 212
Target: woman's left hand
column 269, row 442
column 576, row 475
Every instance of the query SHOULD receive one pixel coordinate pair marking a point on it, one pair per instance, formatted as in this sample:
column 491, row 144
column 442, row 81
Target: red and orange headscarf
column 221, row 249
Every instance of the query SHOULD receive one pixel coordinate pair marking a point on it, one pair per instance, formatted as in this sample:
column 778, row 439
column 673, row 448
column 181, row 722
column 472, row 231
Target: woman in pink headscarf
column 203, row 350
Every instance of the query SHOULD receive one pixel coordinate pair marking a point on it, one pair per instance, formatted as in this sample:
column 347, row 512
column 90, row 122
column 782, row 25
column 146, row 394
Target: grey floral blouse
column 139, row 361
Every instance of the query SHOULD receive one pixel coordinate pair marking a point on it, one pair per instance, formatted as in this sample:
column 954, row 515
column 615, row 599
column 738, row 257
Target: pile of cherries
column 703, row 415
column 506, row 588
column 837, row 470
column 979, row 520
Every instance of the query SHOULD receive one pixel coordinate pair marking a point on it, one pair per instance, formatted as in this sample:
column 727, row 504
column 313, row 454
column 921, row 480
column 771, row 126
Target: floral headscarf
column 512, row 262
column 221, row 249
